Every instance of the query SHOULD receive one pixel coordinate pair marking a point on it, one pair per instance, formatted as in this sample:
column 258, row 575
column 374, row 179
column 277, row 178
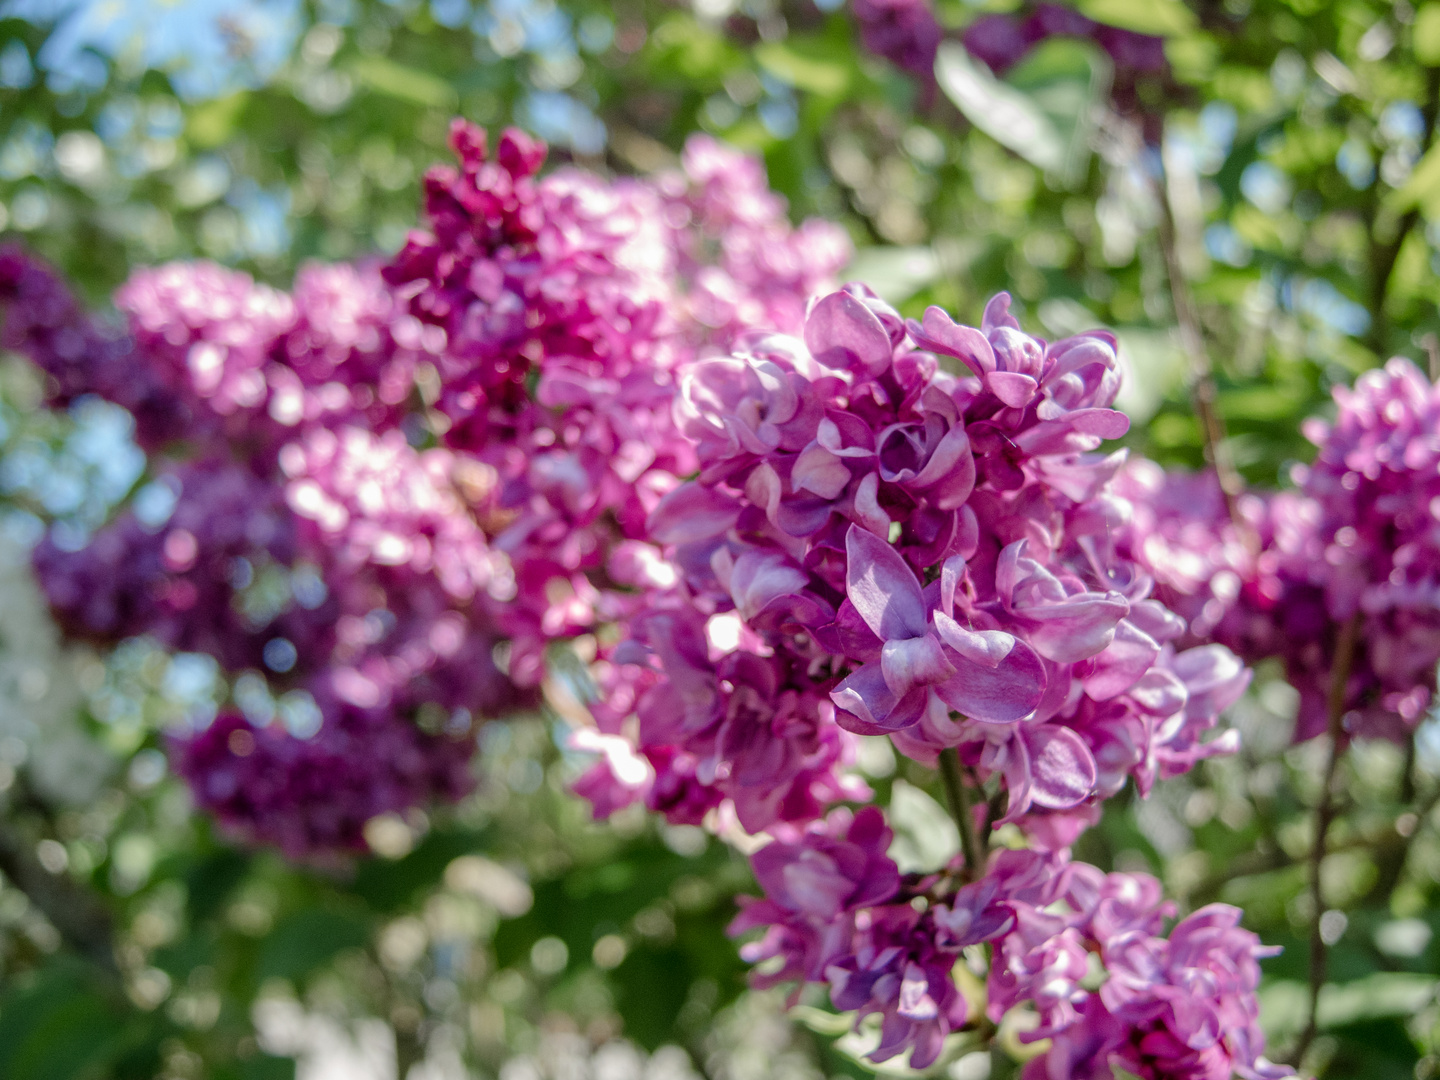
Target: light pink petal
column 1011, row 387
column 1062, row 770
column 910, row 662
column 842, row 332
column 692, row 512
column 882, row 587
column 940, row 333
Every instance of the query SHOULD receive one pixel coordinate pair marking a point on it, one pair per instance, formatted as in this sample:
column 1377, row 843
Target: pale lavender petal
column 867, row 506
column 910, row 662
column 820, row 471
column 842, row 332
column 760, row 577
column 984, row 647
column 1013, row 388
column 882, row 587
column 1077, row 628
column 692, row 512
column 1007, row 692
column 1075, row 432
column 867, row 706
column 1062, row 769
column 940, row 333
column 950, row 472
column 997, row 314
column 1122, row 663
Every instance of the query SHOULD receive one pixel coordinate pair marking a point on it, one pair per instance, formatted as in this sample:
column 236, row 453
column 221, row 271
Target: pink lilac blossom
column 206, row 332
column 837, row 911
column 742, row 264
column 1356, row 539
column 934, row 551
column 565, row 305
column 185, row 582
column 81, row 355
column 313, row 796
column 535, row 331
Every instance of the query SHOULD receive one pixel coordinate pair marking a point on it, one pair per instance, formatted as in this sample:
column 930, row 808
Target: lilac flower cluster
column 534, row 331
column 920, row 546
column 879, row 545
column 576, row 404
column 837, row 911
column 598, row 292
column 1355, row 540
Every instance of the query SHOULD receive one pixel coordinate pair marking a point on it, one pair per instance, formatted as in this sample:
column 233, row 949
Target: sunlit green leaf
column 385, row 76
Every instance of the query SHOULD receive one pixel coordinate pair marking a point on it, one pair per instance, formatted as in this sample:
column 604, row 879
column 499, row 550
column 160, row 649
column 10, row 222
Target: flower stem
column 957, row 795
column 1340, row 666
column 1203, row 391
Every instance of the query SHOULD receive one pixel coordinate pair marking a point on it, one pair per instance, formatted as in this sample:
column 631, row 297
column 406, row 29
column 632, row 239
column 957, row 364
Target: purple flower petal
column 882, row 587
column 1062, row 769
column 997, row 314
column 1013, row 388
column 867, row 707
column 842, row 332
column 1122, row 663
column 692, row 512
column 818, row 470
column 940, row 333
column 1005, row 693
column 910, row 662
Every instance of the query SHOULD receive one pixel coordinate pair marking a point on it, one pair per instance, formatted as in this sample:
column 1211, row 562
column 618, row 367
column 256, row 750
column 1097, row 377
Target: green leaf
column 58, row 1028
column 1162, row 18
column 925, row 836
column 306, row 940
column 1283, row 1003
column 1425, row 34
column 213, row 123
column 1422, row 188
column 385, row 76
column 896, row 273
column 1043, row 109
column 824, row 77
column 1068, row 81
column 1002, row 112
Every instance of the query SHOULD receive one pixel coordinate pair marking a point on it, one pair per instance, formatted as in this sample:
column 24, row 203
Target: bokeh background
column 509, row 936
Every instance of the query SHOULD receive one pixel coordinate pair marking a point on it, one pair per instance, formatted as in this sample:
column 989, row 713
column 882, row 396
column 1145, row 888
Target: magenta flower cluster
column 534, row 332
column 906, row 546
column 837, row 911
column 877, row 544
column 1355, row 540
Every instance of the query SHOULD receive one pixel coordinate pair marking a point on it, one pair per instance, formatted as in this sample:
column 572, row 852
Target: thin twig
column 1202, row 372
column 1340, row 666
column 957, row 795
